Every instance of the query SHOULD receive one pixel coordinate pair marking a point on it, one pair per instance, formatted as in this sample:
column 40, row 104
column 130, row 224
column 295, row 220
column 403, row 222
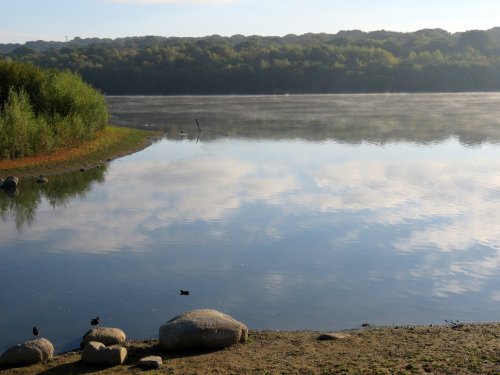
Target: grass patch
column 109, row 143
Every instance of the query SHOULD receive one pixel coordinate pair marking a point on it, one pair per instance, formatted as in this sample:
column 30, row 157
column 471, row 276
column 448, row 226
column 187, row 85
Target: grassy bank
column 44, row 109
column 109, row 143
column 469, row 349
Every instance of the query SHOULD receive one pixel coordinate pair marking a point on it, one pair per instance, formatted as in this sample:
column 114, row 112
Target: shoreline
column 471, row 348
column 113, row 142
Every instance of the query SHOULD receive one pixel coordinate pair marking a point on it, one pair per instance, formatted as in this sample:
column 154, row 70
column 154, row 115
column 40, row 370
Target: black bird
column 184, row 292
column 95, row 322
column 35, row 331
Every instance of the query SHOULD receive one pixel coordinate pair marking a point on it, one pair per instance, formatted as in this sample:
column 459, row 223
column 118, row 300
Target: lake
column 317, row 212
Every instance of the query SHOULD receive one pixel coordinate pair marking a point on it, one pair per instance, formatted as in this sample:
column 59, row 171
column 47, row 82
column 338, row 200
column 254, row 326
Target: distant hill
column 348, row 61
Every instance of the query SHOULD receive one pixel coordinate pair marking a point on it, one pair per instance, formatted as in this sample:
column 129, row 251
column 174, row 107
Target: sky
column 26, row 20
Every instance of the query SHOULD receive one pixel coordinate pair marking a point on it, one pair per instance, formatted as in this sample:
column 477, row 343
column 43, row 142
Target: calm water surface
column 300, row 212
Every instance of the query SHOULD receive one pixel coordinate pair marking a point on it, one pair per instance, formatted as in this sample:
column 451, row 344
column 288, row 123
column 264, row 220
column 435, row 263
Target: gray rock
column 98, row 354
column 201, row 329
column 45, row 347
column 42, row 180
column 10, row 183
column 105, row 335
column 34, row 351
column 151, row 362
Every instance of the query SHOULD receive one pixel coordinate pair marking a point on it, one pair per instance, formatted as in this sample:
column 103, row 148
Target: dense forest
column 429, row 60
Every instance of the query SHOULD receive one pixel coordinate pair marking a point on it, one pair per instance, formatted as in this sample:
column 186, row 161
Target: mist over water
column 297, row 212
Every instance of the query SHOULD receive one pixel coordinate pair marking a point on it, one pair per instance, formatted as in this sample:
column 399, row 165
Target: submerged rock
column 104, row 335
column 151, row 362
column 202, row 329
column 28, row 353
column 97, row 353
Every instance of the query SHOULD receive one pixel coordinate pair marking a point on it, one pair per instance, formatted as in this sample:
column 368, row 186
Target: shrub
column 18, row 124
column 41, row 109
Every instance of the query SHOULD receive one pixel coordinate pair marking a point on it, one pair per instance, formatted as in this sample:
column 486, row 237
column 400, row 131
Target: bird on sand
column 184, row 292
column 35, row 332
column 95, row 322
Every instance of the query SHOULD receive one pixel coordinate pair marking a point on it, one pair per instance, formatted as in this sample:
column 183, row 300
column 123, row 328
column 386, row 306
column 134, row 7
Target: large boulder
column 10, row 183
column 201, row 329
column 105, row 335
column 34, row 351
column 45, row 346
column 98, row 354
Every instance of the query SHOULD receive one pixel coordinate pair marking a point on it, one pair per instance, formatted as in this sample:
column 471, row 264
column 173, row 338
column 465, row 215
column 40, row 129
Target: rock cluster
column 96, row 349
column 197, row 329
column 97, row 353
column 104, row 335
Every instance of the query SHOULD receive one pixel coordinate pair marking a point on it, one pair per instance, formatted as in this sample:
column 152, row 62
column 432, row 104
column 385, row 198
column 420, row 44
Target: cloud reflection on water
column 445, row 206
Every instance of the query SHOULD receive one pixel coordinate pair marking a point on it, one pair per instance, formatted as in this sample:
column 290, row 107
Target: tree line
column 430, row 60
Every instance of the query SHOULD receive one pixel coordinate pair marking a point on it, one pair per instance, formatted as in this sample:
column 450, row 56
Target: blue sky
column 22, row 20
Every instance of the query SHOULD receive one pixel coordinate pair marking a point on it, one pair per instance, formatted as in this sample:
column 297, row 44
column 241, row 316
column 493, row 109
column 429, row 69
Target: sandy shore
column 468, row 349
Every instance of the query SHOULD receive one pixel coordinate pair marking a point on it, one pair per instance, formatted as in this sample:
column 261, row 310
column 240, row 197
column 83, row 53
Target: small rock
column 333, row 336
column 34, row 351
column 151, row 362
column 202, row 329
column 97, row 353
column 82, row 170
column 365, row 325
column 104, row 335
column 41, row 180
column 10, row 183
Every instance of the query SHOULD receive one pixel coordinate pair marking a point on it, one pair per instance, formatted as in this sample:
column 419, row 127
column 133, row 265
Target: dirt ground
column 111, row 143
column 467, row 349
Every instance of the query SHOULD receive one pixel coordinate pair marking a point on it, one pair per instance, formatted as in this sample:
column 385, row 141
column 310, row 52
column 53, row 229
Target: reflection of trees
column 58, row 191
column 352, row 119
